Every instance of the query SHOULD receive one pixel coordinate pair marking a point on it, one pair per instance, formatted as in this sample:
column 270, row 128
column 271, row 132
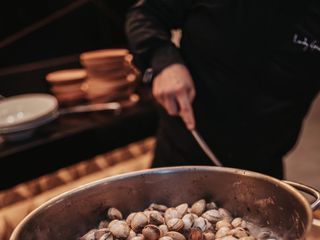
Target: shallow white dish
column 26, row 109
column 30, row 125
column 25, row 131
column 19, row 130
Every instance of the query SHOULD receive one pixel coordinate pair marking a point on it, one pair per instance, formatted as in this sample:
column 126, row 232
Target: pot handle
column 309, row 190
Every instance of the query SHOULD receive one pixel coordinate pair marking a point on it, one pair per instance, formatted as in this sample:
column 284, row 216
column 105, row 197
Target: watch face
column 147, row 76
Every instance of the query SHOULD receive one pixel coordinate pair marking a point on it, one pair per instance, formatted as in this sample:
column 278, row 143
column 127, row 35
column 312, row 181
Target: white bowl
column 17, row 111
column 29, row 126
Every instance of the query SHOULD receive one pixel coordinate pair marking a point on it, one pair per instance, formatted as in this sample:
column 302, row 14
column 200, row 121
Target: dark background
column 96, row 24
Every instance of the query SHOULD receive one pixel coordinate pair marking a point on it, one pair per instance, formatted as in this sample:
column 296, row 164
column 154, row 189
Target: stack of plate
column 21, row 115
column 111, row 76
column 68, row 85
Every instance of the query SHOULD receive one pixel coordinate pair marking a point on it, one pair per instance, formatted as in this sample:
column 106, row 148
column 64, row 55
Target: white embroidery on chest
column 311, row 45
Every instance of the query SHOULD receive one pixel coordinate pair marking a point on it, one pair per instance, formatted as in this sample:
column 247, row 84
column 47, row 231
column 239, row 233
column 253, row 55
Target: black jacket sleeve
column 148, row 27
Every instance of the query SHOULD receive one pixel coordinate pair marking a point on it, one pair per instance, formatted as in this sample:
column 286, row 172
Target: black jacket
column 255, row 65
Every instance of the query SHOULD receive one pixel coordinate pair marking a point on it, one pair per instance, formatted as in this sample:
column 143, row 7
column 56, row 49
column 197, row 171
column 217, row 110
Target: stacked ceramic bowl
column 68, row 85
column 111, row 76
column 21, row 115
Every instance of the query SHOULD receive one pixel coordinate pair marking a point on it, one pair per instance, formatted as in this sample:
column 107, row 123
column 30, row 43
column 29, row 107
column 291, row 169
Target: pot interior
column 265, row 201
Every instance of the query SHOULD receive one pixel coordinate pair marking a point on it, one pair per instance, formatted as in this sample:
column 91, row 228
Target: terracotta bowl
column 66, row 76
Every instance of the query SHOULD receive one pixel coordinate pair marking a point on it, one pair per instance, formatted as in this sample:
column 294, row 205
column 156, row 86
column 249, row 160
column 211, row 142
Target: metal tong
column 113, row 106
column 205, row 148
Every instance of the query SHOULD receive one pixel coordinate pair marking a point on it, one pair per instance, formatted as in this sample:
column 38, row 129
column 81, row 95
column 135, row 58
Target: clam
column 175, row 235
column 89, row 235
column 166, row 238
column 163, row 229
column 236, row 222
column 223, row 223
column 212, row 216
column 201, row 223
column 158, row 207
column 182, row 209
column 114, row 213
column 147, row 213
column 170, row 213
column 248, row 238
column 120, row 229
column 211, row 205
column 222, row 232
column 132, row 234
column 138, row 221
column 103, row 224
column 239, row 232
column 188, row 220
column 106, row 236
column 243, row 224
column 195, row 234
column 130, row 217
column 112, row 222
column 227, row 238
column 140, row 237
column 175, row 224
column 99, row 233
column 225, row 214
column 198, row 207
column 156, row 218
column 208, row 236
column 151, row 232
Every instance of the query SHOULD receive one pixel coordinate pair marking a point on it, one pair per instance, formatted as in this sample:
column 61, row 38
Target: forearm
column 148, row 29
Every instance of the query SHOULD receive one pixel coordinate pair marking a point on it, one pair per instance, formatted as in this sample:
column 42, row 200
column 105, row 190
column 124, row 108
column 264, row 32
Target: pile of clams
column 201, row 221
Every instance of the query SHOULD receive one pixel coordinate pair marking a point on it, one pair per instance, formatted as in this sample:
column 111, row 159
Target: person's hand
column 173, row 88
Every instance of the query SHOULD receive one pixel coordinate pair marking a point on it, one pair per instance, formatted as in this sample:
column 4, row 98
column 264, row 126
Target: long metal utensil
column 202, row 143
column 113, row 106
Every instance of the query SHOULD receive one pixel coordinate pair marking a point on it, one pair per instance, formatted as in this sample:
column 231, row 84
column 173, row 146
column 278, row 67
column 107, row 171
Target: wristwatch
column 147, row 76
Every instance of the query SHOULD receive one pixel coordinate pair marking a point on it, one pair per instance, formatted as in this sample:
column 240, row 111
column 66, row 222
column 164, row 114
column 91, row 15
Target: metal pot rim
column 166, row 170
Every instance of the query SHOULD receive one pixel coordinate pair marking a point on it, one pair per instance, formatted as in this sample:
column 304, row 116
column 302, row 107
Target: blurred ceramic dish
column 109, row 97
column 67, row 76
column 30, row 125
column 25, row 131
column 20, row 128
column 66, row 85
column 108, row 75
column 70, row 96
column 125, row 101
column 132, row 100
column 104, row 56
column 21, row 115
column 123, row 63
column 25, row 109
column 110, row 89
column 100, row 84
column 76, row 87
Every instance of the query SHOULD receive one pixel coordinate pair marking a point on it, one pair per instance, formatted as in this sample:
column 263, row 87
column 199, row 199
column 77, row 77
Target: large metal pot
column 264, row 200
